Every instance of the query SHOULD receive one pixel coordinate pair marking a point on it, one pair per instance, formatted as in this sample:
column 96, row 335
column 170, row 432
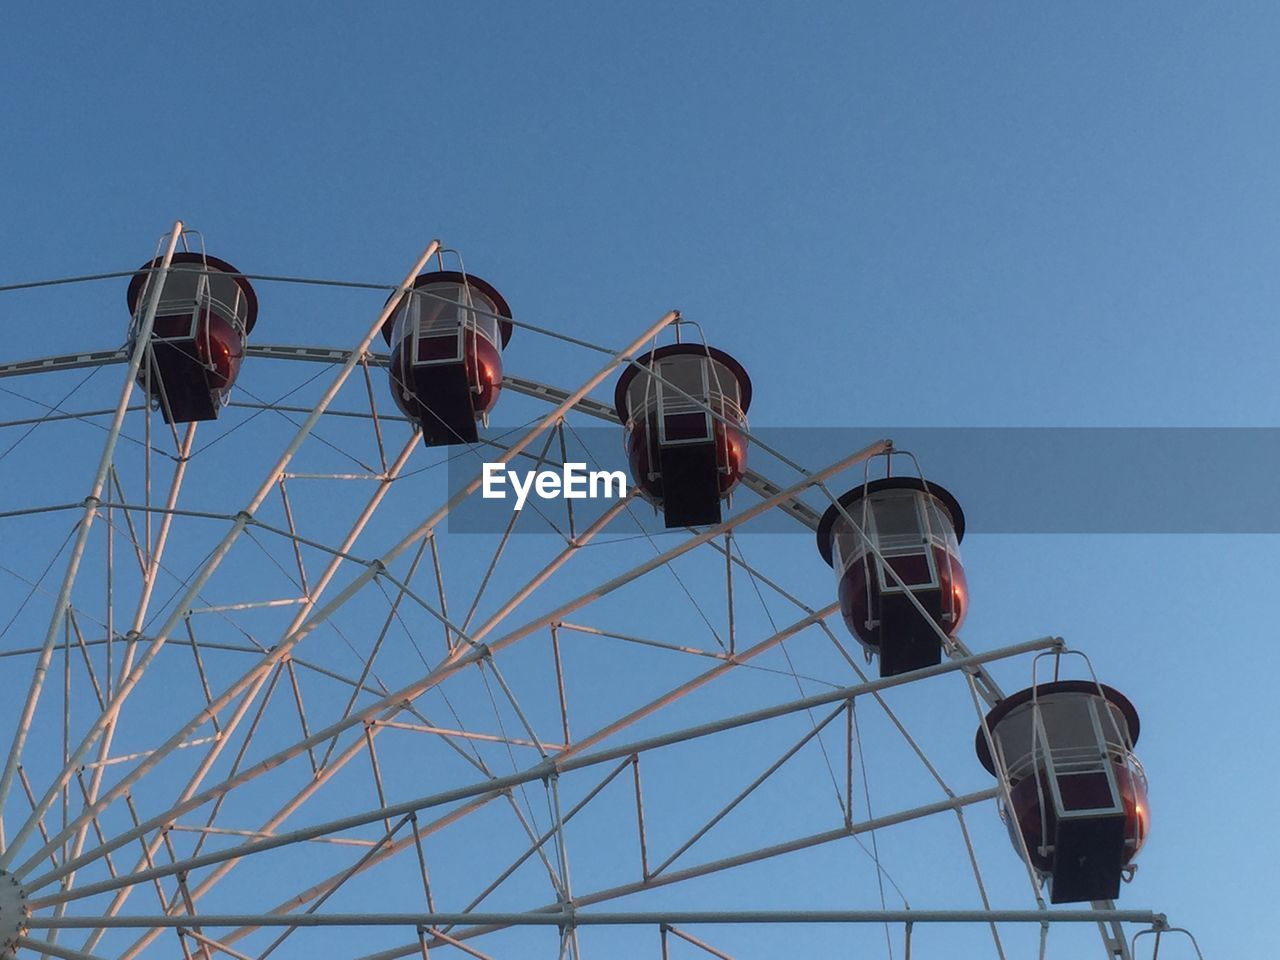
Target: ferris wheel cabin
column 1078, row 794
column 683, row 458
column 446, row 338
column 197, row 342
column 917, row 528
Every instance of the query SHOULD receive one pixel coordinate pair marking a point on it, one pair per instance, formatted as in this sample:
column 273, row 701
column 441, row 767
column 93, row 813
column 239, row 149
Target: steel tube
column 592, row 918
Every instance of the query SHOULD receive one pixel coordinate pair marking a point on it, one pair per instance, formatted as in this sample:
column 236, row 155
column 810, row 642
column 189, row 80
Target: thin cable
column 467, row 451
column 875, row 846
column 33, row 284
column 791, row 667
column 323, row 370
column 631, row 513
column 52, row 411
column 34, row 584
column 502, row 729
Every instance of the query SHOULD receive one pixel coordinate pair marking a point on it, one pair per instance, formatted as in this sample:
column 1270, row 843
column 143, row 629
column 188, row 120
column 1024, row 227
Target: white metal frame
column 45, row 856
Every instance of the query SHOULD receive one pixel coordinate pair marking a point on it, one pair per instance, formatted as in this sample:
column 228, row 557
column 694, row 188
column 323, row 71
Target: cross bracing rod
column 546, row 836
column 746, row 791
column 337, row 841
column 538, row 771
column 216, row 944
column 690, row 938
column 55, row 417
column 207, row 644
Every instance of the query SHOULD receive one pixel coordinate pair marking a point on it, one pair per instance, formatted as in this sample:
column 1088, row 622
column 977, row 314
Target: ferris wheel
column 270, row 692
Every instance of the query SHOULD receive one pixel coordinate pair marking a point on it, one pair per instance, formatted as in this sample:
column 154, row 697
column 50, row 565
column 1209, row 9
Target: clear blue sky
column 926, row 214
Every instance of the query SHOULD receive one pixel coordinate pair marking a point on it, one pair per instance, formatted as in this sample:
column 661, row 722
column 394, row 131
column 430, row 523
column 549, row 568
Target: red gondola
column 917, row 527
column 197, row 343
column 1079, row 795
column 446, row 340
column 681, row 457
